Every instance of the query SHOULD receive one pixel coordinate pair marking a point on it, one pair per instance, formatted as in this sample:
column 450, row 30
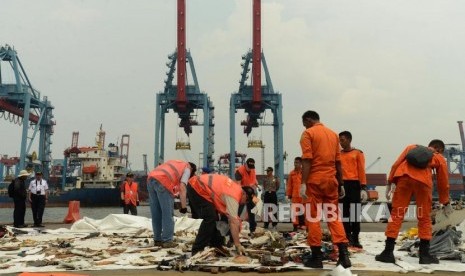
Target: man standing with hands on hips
column 38, row 197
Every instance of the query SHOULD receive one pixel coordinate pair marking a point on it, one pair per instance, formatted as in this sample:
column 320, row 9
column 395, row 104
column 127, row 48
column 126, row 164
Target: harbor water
column 57, row 214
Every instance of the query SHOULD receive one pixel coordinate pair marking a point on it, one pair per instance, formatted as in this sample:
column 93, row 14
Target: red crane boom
column 181, row 100
column 257, row 56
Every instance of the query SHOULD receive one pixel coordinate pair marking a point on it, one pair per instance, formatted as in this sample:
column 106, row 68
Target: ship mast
column 100, row 139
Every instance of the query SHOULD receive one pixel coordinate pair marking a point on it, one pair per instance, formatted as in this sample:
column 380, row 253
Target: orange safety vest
column 213, row 188
column 169, row 174
column 130, row 193
column 248, row 178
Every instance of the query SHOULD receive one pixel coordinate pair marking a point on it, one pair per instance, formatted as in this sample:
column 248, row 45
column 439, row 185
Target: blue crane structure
column 21, row 103
column 182, row 98
column 257, row 98
column 455, row 158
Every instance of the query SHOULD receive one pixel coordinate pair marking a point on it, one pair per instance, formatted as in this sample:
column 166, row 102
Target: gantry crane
column 21, row 103
column 144, row 160
column 183, row 98
column 373, row 163
column 257, row 98
column 6, row 163
column 456, row 154
column 124, row 149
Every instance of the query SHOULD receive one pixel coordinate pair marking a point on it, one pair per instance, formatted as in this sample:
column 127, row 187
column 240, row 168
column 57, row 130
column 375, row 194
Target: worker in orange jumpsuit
column 130, row 194
column 293, row 193
column 355, row 183
column 410, row 180
column 212, row 195
column 322, row 186
column 246, row 177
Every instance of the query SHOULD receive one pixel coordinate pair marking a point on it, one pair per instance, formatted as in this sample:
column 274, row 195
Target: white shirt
column 185, row 175
column 38, row 185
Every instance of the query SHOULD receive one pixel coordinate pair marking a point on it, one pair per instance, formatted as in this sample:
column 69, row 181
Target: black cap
column 250, row 163
column 38, row 173
column 129, row 174
column 269, row 169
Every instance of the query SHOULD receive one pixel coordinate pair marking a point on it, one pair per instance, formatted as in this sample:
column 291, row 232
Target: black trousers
column 270, row 198
column 19, row 212
column 38, row 207
column 130, row 207
column 207, row 235
column 252, row 222
column 351, row 205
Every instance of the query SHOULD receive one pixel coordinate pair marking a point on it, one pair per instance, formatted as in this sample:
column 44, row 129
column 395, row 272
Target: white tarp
column 125, row 223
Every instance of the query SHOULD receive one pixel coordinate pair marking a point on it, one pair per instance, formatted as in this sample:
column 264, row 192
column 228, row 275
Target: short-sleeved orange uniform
column 293, row 191
column 293, row 186
column 410, row 181
column 321, row 145
column 353, row 166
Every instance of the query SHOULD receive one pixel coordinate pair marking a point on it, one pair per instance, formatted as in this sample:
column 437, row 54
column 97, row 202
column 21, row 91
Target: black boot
column 343, row 256
column 316, row 260
column 387, row 256
column 350, row 239
column 425, row 257
column 356, row 241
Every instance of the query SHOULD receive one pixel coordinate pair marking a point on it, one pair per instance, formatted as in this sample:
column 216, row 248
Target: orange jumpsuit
column 410, row 181
column 293, row 192
column 321, row 145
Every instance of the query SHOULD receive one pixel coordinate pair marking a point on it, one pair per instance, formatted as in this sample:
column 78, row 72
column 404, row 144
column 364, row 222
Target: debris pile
column 126, row 242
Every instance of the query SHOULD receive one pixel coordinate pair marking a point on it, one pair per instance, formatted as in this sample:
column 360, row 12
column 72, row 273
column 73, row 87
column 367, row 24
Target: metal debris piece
column 139, row 262
column 10, row 247
column 75, row 264
column 278, row 244
column 203, row 256
column 64, row 244
column 36, row 250
column 105, row 262
column 88, row 253
column 442, row 222
column 260, row 240
column 91, row 235
column 40, row 263
column 269, row 260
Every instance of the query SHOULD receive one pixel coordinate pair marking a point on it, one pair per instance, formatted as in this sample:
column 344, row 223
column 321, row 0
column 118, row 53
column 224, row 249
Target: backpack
column 11, row 189
column 419, row 157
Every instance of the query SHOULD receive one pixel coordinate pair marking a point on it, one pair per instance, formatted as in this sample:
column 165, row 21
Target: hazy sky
column 391, row 72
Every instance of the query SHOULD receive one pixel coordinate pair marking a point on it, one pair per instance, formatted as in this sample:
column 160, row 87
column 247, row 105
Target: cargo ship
column 91, row 175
